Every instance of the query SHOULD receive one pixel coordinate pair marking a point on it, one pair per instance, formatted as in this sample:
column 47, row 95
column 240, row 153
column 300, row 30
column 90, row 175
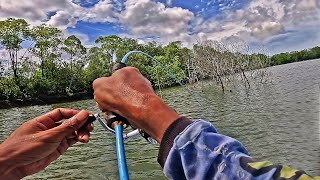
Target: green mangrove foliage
column 42, row 61
column 289, row 57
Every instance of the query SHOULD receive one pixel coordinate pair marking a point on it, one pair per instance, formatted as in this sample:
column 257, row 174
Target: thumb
column 71, row 125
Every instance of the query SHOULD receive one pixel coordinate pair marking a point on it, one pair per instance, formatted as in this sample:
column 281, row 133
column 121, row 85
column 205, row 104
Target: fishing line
column 184, row 87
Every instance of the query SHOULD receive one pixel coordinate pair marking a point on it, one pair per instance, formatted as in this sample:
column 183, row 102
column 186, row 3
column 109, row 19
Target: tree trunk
column 245, row 77
column 42, row 68
column 13, row 64
column 221, row 83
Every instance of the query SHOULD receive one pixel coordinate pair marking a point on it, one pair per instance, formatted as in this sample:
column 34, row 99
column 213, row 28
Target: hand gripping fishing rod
column 116, row 123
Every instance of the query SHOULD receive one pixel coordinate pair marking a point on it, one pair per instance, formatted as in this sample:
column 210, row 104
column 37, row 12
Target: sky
column 271, row 26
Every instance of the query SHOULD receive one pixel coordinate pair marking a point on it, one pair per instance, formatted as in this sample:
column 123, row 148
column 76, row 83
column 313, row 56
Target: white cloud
column 267, row 29
column 294, row 40
column 261, row 18
column 67, row 13
column 35, row 11
column 148, row 18
column 103, row 11
column 62, row 20
column 307, row 5
column 258, row 21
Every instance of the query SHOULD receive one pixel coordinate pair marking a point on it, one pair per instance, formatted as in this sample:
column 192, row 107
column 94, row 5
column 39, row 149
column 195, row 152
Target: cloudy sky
column 274, row 25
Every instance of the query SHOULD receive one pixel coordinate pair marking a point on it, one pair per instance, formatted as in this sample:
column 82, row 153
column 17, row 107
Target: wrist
column 158, row 116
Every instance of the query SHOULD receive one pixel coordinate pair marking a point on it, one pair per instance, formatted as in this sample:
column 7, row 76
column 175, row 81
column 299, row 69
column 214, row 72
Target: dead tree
column 224, row 63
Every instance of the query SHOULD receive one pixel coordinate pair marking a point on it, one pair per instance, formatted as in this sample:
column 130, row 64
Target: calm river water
column 277, row 122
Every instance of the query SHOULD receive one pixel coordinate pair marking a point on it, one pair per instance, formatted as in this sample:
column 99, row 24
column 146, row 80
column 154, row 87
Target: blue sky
column 273, row 25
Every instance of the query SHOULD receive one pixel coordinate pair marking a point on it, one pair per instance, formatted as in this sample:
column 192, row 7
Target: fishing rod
column 116, row 123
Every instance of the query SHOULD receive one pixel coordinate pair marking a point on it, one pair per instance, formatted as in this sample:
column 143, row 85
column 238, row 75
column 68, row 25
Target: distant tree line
column 295, row 56
column 55, row 65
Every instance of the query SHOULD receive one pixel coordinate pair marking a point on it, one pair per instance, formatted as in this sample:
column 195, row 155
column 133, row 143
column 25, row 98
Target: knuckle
column 98, row 83
column 46, row 136
column 125, row 72
column 59, row 109
column 71, row 124
column 133, row 69
column 95, row 83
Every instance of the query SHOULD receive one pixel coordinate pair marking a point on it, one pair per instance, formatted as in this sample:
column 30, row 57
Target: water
column 278, row 122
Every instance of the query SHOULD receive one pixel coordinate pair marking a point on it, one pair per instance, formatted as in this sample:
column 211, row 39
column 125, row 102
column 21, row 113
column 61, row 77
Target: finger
column 49, row 119
column 83, row 136
column 61, row 113
column 102, row 106
column 98, row 83
column 71, row 125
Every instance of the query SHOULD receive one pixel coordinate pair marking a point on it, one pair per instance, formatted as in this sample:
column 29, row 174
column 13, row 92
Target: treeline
column 55, row 65
column 290, row 57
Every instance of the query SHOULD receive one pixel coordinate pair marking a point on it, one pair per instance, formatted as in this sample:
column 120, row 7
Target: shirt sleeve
column 194, row 150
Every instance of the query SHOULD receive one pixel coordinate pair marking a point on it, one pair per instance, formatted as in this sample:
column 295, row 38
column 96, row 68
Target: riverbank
column 43, row 100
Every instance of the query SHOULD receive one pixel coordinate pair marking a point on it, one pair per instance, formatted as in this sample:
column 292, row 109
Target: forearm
column 157, row 117
column 197, row 151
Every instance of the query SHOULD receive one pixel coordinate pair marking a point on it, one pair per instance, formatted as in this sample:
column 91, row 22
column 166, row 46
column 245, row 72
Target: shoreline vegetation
column 43, row 100
column 40, row 65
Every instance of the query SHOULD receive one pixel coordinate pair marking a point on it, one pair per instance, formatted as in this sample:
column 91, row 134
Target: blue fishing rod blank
column 122, row 164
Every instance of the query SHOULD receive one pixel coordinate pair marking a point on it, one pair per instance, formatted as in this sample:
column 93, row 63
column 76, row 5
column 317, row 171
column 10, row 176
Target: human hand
column 38, row 142
column 130, row 95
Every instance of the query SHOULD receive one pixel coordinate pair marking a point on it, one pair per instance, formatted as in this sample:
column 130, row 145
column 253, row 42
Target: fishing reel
column 113, row 119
